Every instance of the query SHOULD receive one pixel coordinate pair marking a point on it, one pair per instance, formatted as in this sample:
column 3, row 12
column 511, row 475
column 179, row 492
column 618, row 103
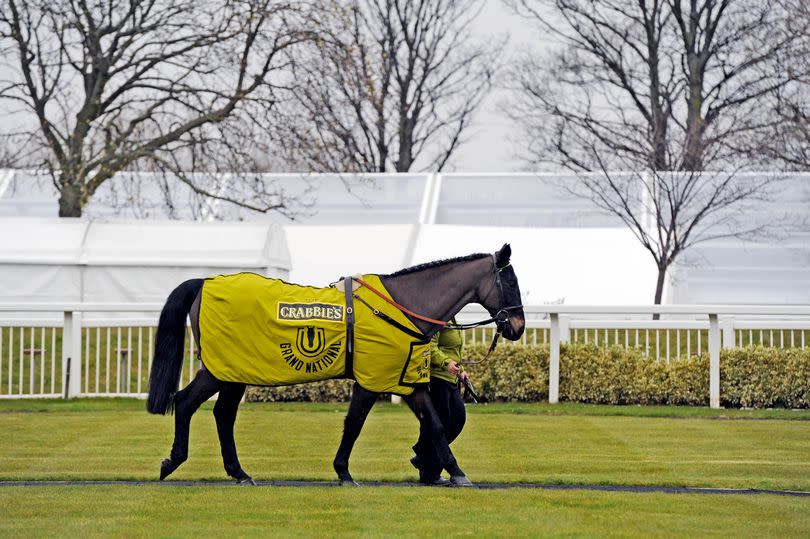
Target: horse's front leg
column 225, row 414
column 361, row 404
column 431, row 431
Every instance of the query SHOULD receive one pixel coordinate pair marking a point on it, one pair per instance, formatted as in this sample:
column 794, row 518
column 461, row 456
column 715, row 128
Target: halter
column 502, row 315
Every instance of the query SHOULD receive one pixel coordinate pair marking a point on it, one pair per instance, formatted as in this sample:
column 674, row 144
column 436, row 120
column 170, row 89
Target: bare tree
column 652, row 84
column 101, row 86
column 662, row 89
column 789, row 139
column 394, row 83
column 670, row 212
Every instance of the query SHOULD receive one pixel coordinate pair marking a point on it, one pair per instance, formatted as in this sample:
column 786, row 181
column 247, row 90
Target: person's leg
column 456, row 413
column 440, row 397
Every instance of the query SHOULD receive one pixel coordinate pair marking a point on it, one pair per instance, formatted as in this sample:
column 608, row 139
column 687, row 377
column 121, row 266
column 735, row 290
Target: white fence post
column 72, row 355
column 565, row 331
column 727, row 327
column 554, row 360
column 714, row 361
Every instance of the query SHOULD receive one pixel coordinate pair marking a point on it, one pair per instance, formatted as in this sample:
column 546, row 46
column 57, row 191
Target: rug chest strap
column 347, row 286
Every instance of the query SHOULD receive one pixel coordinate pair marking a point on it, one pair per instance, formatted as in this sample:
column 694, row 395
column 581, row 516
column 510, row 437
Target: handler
column 445, row 393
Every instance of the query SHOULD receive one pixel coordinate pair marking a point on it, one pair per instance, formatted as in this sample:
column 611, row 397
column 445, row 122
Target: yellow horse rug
column 263, row 331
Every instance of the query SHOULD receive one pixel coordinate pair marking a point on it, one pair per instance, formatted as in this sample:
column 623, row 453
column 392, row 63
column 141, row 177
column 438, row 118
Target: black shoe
column 415, row 462
column 460, row 481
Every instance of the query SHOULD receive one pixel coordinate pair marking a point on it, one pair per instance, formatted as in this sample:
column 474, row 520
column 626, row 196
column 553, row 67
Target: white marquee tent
column 72, row 260
column 564, row 247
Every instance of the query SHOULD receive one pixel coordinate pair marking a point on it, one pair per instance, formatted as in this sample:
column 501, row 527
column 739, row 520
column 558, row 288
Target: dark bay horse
column 436, row 290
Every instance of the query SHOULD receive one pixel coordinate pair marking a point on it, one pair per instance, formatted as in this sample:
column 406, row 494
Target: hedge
column 749, row 377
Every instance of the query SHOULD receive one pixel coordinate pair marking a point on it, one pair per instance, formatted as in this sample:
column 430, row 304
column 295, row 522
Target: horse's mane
column 436, row 263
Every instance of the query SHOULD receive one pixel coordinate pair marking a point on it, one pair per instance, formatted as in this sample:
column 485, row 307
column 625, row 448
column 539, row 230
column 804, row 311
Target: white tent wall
column 604, row 267
column 323, row 254
column 54, row 260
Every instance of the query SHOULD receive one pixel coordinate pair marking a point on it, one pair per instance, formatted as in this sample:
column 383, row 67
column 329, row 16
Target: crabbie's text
column 310, row 311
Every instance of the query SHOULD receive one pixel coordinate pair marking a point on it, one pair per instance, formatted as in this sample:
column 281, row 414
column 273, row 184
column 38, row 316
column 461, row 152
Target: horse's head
column 501, row 298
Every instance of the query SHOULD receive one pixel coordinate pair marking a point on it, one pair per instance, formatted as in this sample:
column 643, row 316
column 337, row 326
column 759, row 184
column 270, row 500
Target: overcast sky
column 489, row 148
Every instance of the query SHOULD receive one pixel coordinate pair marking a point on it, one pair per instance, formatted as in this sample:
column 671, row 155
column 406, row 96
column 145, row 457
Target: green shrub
column 749, row 377
column 512, row 372
column 326, row 391
column 765, row 377
column 687, row 381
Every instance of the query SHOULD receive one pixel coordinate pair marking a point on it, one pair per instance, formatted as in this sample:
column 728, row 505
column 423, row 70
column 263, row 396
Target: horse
column 426, row 295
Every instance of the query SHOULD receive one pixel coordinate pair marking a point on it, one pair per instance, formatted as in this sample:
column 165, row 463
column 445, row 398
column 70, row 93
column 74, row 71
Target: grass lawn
column 106, row 439
column 389, row 512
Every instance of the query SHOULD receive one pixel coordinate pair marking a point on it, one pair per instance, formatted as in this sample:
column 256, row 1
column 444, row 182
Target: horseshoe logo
column 310, row 341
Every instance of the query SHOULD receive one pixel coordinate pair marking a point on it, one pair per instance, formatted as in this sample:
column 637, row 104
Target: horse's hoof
column 460, row 481
column 348, row 483
column 246, row 482
column 165, row 468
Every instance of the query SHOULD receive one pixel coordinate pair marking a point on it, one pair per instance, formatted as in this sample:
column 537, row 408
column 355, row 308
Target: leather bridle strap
column 491, row 349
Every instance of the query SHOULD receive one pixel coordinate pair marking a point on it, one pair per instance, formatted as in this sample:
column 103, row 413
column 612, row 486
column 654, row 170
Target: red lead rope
column 397, row 305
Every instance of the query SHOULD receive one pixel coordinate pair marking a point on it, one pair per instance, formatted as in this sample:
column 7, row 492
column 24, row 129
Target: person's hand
column 464, row 376
column 453, row 368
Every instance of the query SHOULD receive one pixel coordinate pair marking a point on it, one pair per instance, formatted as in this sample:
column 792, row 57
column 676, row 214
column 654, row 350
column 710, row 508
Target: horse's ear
column 502, row 258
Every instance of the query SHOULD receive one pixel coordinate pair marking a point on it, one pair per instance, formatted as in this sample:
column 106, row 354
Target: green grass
column 569, row 443
column 97, row 439
column 389, row 512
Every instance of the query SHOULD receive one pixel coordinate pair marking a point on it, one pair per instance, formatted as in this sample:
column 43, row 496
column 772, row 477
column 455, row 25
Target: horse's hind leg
column 186, row 402
column 361, row 404
column 225, row 413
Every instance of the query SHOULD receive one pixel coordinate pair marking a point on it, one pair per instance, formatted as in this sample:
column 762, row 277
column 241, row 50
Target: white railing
column 563, row 318
column 101, row 356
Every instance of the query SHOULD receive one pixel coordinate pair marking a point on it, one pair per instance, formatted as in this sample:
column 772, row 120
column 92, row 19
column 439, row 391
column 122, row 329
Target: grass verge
column 104, row 439
column 389, row 512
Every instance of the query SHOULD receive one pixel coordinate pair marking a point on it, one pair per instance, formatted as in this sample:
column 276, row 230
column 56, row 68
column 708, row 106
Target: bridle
column 502, row 314
column 501, row 317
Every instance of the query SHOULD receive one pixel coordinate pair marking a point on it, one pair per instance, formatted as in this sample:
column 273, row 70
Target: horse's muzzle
column 513, row 328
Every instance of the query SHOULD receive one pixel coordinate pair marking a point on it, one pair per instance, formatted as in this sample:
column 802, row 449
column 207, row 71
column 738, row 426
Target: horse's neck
column 439, row 292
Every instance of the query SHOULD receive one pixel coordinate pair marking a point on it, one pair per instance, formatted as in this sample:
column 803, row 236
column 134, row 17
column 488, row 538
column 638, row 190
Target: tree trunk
column 694, row 144
column 659, row 288
column 406, row 127
column 70, row 198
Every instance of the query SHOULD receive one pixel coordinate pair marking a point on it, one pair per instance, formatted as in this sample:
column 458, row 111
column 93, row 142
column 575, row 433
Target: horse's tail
column 171, row 335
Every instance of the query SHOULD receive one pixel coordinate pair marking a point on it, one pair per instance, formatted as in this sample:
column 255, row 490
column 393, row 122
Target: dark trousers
column 449, row 406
